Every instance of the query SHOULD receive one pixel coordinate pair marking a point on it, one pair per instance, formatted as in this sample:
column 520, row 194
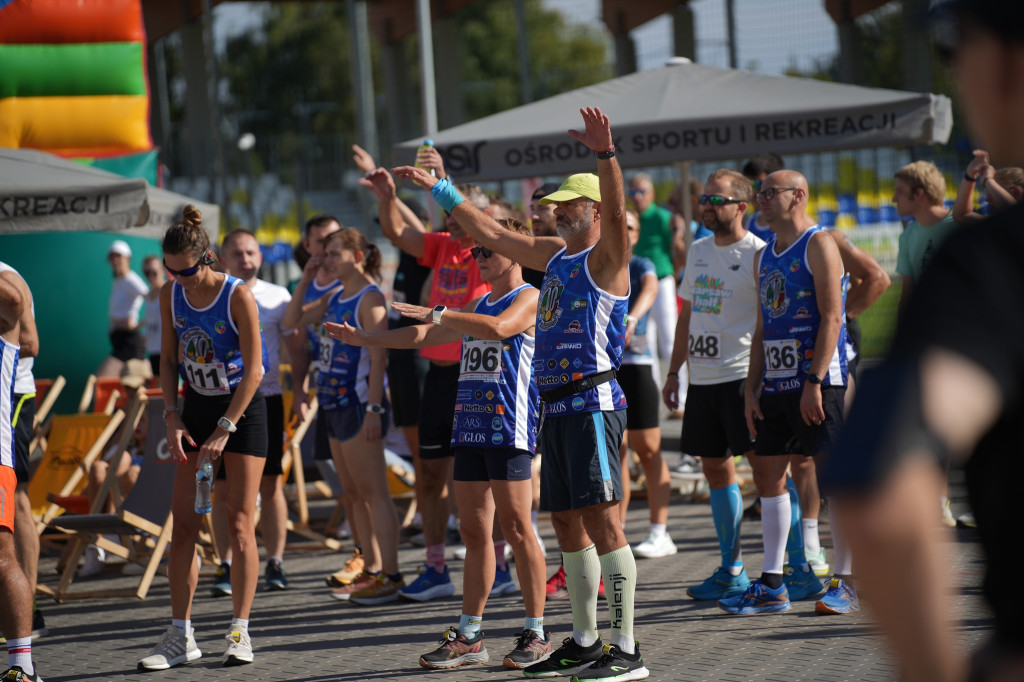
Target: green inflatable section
column 130, row 165
column 71, row 70
column 70, row 282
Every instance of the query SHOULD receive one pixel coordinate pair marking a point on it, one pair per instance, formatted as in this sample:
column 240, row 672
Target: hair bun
column 191, row 216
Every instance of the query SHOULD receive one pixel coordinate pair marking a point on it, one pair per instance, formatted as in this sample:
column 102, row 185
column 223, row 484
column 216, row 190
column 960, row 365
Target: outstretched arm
column 528, row 251
column 420, row 336
column 519, row 317
column 406, row 235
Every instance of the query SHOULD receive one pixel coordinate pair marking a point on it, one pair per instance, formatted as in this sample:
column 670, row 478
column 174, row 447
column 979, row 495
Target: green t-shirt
column 918, row 245
column 655, row 240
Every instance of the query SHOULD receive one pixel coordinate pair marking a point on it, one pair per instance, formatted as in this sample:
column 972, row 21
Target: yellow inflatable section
column 100, row 125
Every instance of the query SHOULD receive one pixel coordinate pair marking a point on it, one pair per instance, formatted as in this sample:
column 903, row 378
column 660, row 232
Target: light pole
column 246, row 141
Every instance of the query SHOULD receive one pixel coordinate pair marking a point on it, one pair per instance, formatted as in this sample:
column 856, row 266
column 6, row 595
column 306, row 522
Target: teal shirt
column 918, row 245
column 655, row 240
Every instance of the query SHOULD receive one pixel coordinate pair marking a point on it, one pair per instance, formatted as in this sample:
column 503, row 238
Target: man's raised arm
column 392, row 224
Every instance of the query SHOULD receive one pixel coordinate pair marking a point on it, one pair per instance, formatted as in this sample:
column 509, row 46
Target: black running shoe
column 222, row 582
column 568, row 659
column 530, row 648
column 39, row 628
column 16, row 674
column 275, row 579
column 615, row 666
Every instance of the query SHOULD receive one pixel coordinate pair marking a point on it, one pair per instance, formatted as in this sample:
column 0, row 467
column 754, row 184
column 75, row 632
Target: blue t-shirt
column 319, row 356
column 763, row 233
column 497, row 401
column 580, row 331
column 212, row 360
column 790, row 317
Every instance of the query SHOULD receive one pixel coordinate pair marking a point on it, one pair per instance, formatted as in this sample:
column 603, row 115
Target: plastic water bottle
column 204, row 485
column 426, row 146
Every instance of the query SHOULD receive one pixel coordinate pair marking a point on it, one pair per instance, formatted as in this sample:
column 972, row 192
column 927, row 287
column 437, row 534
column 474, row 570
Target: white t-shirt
column 126, row 297
column 271, row 301
column 24, row 382
column 722, row 293
column 151, row 325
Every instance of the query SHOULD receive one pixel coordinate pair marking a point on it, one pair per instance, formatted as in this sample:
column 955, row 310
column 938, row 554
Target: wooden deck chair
column 108, row 394
column 143, row 521
column 47, row 392
column 291, row 464
column 73, row 442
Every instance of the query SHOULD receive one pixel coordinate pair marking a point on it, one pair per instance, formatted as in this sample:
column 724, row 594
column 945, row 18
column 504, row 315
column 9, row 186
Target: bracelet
column 606, row 154
column 446, row 195
column 674, row 374
column 968, row 178
column 168, row 410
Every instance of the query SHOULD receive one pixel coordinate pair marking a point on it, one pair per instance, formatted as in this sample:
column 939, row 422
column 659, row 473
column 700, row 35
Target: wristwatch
column 227, row 425
column 374, row 408
column 813, row 379
column 435, row 316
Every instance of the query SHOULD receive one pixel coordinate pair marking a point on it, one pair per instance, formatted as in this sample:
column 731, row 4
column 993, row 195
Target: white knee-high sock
column 842, row 565
column 775, row 519
column 619, row 570
column 582, row 579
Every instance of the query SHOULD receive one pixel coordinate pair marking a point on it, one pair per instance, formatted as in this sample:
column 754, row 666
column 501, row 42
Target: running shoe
column 275, row 579
column 721, row 585
column 16, row 674
column 841, row 598
column 615, row 665
column 801, row 584
column 503, row 583
column 349, row 572
column 966, row 521
column 816, row 560
column 222, row 582
column 556, row 587
column 39, row 628
column 568, row 659
column 93, row 563
column 655, row 546
column 345, row 592
column 381, row 591
column 429, row 584
column 456, row 650
column 173, row 649
column 530, row 648
column 239, row 651
column 759, row 598
column 948, row 519
column 687, row 465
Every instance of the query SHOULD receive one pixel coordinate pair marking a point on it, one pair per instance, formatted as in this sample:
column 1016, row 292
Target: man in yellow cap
column 581, row 325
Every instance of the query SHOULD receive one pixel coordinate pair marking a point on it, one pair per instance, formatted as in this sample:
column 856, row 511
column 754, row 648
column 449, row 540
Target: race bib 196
column 705, row 347
column 207, row 379
column 481, row 360
column 781, row 358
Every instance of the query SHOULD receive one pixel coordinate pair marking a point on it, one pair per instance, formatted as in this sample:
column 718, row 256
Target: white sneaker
column 95, row 559
column 173, row 649
column 239, row 651
column 655, row 546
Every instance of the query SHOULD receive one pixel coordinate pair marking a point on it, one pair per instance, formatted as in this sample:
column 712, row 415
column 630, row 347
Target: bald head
column 783, row 199
column 788, row 178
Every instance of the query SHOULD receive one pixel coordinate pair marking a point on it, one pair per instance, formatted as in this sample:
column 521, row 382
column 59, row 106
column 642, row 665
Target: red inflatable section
column 51, row 22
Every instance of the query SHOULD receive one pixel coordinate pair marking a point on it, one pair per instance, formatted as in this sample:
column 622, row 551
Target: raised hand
column 417, row 312
column 598, row 132
column 978, row 163
column 429, row 158
column 421, row 177
column 380, row 182
column 363, row 160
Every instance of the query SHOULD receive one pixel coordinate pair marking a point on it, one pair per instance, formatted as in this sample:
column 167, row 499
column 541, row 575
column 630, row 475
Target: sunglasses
column 478, row 251
column 188, row 272
column 717, row 200
column 769, row 194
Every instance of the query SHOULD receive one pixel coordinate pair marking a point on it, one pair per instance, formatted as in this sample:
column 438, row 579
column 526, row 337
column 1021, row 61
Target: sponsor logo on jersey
column 773, row 294
column 471, row 422
column 735, row 267
column 497, row 438
column 455, row 422
column 488, row 408
column 797, row 330
column 474, row 408
column 573, row 328
column 554, row 408
column 478, row 395
column 805, row 293
column 458, row 407
column 564, row 363
column 564, row 378
column 576, row 363
column 552, row 363
column 490, row 395
column 198, row 345
column 801, row 314
column 579, row 304
column 179, row 321
column 548, row 310
column 463, row 394
column 220, row 326
column 548, row 380
column 578, row 403
column 496, row 424
column 576, row 376
column 575, row 271
column 499, row 409
column 472, row 437
column 789, row 385
column 567, row 346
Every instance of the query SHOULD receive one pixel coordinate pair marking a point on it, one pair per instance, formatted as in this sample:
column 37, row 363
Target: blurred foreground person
column 952, row 388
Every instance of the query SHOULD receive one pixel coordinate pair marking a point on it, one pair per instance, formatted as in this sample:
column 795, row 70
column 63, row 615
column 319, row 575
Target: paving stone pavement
column 303, row 634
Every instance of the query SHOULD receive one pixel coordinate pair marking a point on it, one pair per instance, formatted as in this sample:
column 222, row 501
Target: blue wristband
column 445, row 194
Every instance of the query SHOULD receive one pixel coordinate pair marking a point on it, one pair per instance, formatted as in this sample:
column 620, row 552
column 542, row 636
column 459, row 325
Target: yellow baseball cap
column 576, row 186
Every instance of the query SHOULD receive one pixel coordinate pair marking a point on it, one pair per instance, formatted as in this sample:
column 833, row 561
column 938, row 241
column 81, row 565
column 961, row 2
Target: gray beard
column 573, row 227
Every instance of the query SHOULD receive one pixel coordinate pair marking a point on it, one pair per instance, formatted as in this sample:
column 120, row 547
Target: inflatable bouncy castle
column 73, row 81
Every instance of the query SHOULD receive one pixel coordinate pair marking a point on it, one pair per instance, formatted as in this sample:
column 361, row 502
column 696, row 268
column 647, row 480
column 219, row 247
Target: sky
column 771, row 36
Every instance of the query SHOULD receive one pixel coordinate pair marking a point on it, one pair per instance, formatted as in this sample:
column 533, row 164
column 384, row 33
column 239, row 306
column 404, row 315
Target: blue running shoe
column 429, row 585
column 840, row 598
column 801, row 584
column 759, row 598
column 222, row 582
column 503, row 583
column 721, row 585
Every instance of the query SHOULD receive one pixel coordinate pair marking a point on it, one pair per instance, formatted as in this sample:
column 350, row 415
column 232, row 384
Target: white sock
column 619, row 571
column 812, row 542
column 19, row 653
column 658, row 529
column 776, row 514
column 183, row 626
column 240, row 625
column 842, row 563
column 583, row 577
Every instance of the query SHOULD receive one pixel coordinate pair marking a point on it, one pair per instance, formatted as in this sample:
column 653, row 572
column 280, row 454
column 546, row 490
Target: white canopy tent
column 40, row 192
column 689, row 112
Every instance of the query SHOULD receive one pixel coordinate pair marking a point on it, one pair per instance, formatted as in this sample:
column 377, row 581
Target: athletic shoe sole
column 512, row 665
column 643, row 554
column 759, row 610
column 638, row 674
column 444, row 590
column 174, row 662
column 468, row 659
column 232, row 660
column 824, row 610
column 567, row 672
